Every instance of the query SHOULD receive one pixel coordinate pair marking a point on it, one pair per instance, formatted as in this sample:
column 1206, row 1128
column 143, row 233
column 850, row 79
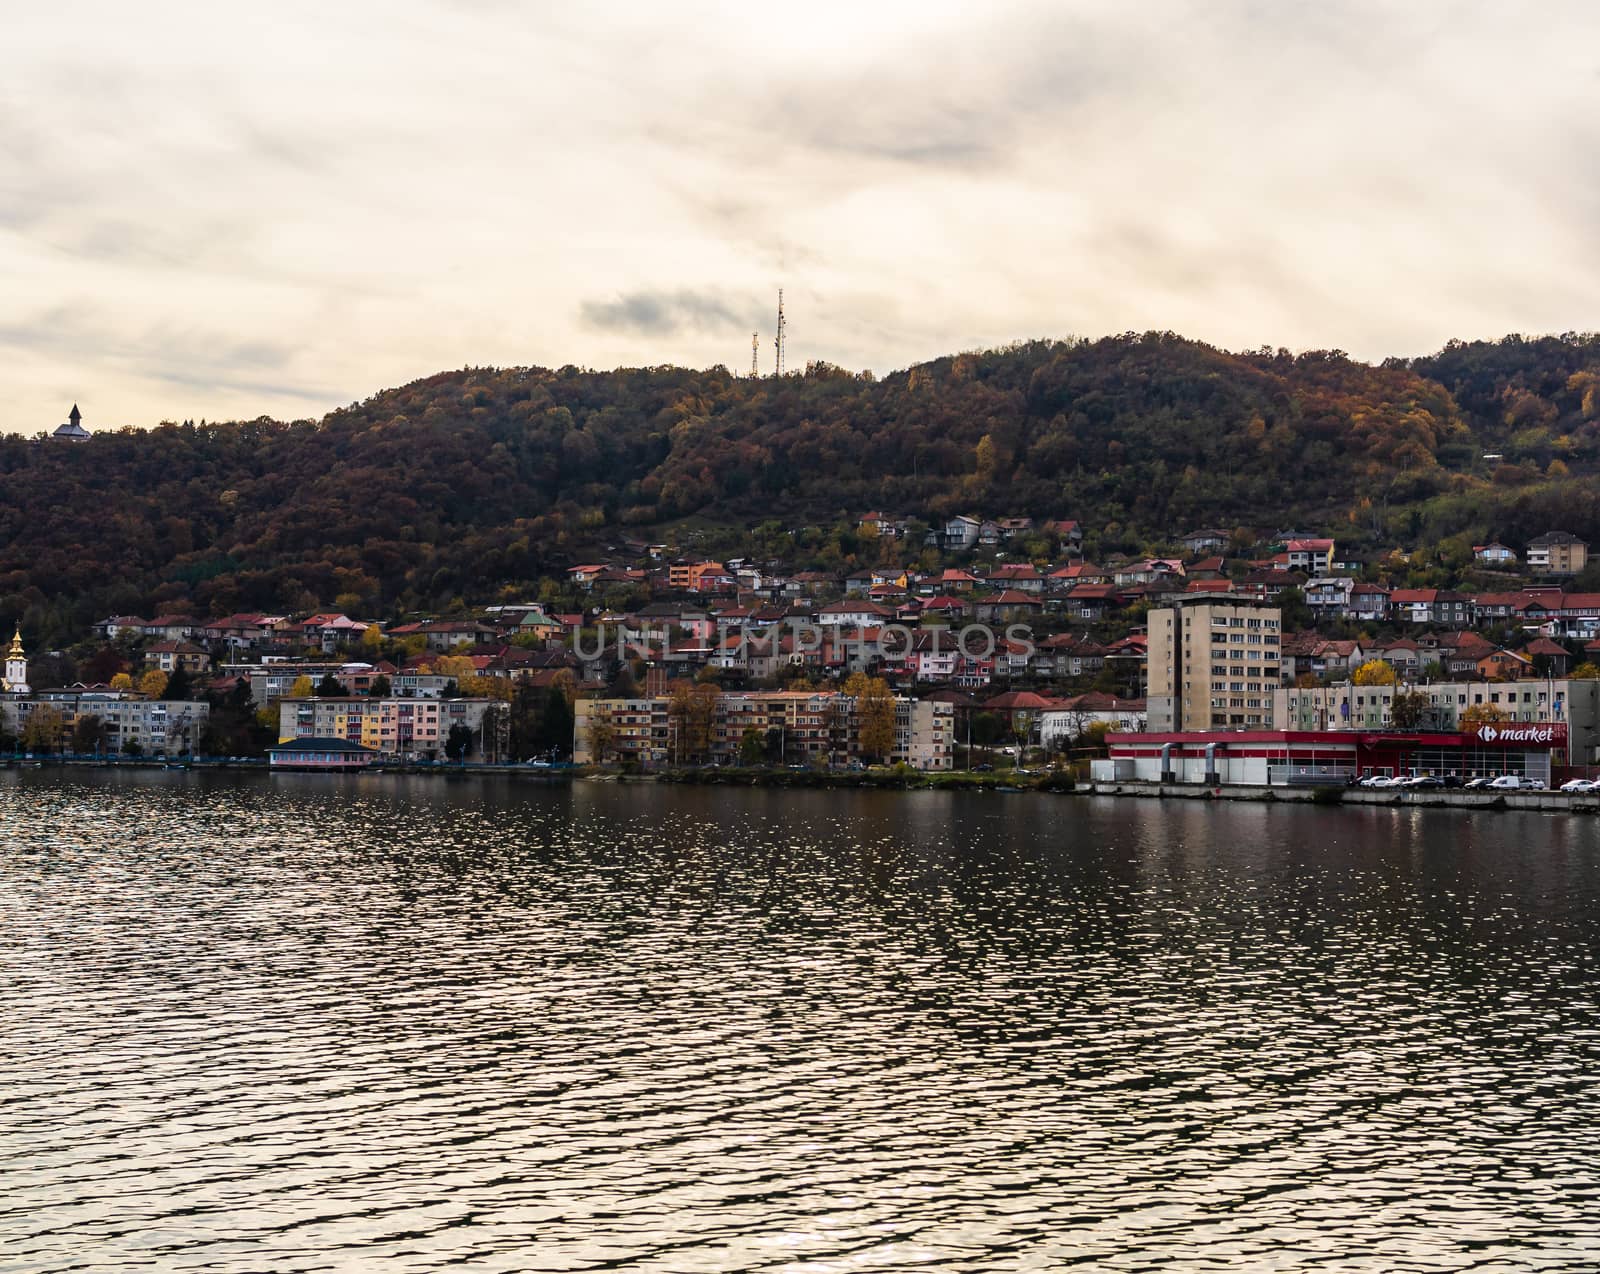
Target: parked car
column 1483, row 780
column 1516, row 783
column 1375, row 780
column 1424, row 780
column 1579, row 785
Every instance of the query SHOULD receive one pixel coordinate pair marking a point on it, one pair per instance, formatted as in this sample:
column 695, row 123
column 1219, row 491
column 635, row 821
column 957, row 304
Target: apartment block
column 1213, row 662
column 396, row 727
column 152, row 727
column 803, row 727
column 1575, row 704
column 1557, row 553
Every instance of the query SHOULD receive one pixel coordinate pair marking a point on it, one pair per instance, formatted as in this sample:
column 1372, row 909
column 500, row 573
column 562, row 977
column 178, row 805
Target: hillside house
column 1557, row 553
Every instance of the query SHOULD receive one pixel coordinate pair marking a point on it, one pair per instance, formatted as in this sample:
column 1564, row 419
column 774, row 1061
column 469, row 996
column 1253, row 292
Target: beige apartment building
column 406, row 728
column 1557, row 553
column 806, row 727
column 1212, row 663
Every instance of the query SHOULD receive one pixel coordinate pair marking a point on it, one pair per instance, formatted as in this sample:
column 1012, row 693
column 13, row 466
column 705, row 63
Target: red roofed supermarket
column 1259, row 758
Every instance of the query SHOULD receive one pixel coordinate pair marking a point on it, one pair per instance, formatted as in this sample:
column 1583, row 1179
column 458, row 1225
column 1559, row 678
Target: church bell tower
column 16, row 679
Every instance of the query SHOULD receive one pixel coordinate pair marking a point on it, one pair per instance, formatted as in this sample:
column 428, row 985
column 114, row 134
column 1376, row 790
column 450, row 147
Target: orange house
column 1504, row 665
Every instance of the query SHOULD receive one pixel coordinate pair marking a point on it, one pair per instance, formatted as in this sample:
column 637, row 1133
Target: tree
column 302, row 688
column 88, row 735
column 1408, row 709
column 602, row 734
column 380, row 687
column 1484, row 714
column 330, row 687
column 458, row 742
column 42, row 731
column 122, row 681
column 1586, row 671
column 457, row 666
column 177, row 687
column 1375, row 672
column 103, row 665
column 153, row 684
column 752, row 746
column 875, row 718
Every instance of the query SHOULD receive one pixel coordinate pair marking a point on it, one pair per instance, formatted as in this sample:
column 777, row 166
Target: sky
column 224, row 211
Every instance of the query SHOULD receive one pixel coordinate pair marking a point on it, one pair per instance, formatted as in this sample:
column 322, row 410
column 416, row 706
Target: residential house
column 1068, row 656
column 1009, row 606
column 238, row 632
column 961, row 532
column 1548, row 658
column 1495, row 555
column 1368, row 603
column 948, row 581
column 1400, row 653
column 1430, row 606
column 1209, row 540
column 1068, row 533
column 953, row 609
column 1328, row 596
column 854, row 614
column 1019, row 575
column 169, row 656
column 1504, row 665
column 1147, row 571
column 1267, row 585
column 444, row 635
column 584, row 576
column 120, row 627
column 1066, row 720
column 325, row 632
column 1064, row 578
column 1314, row 556
column 1092, row 602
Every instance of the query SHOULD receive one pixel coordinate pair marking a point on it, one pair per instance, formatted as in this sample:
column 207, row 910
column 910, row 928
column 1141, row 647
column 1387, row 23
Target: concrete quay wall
column 1441, row 798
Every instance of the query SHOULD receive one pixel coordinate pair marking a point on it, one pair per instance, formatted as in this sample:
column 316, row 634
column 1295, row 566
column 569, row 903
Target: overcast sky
column 213, row 210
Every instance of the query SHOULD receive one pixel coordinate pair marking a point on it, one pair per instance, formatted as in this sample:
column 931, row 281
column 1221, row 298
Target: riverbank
column 1426, row 798
column 898, row 778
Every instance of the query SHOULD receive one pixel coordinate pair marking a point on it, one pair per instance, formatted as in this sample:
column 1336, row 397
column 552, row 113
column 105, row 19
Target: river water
column 309, row 1023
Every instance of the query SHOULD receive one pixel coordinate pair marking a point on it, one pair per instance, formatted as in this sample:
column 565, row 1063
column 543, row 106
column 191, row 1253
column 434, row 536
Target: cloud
column 658, row 314
column 213, row 211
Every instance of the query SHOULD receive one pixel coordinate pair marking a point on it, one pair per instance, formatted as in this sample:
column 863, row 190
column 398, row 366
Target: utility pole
column 778, row 342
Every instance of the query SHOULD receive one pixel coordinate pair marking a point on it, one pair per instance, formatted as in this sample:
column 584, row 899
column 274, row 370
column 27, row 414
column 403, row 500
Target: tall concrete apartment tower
column 1213, row 663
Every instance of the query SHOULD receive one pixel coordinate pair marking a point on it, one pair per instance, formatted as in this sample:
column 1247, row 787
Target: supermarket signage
column 1500, row 735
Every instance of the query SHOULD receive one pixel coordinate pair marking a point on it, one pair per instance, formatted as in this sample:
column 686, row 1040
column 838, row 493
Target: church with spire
column 16, row 678
column 73, row 430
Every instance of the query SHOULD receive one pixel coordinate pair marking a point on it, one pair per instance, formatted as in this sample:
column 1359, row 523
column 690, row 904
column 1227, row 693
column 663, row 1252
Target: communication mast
column 755, row 353
column 782, row 329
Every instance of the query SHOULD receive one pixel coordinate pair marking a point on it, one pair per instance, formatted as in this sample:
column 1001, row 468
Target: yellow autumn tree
column 1482, row 713
column 874, row 713
column 153, row 684
column 1375, row 672
column 122, row 681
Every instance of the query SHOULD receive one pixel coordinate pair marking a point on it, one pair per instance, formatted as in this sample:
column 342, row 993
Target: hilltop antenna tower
column 755, row 353
column 782, row 331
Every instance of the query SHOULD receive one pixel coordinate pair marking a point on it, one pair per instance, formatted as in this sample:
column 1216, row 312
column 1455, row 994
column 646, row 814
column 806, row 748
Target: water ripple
column 313, row 1024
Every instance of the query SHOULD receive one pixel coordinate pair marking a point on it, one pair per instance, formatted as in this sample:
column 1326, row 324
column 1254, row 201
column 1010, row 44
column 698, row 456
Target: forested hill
column 470, row 482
